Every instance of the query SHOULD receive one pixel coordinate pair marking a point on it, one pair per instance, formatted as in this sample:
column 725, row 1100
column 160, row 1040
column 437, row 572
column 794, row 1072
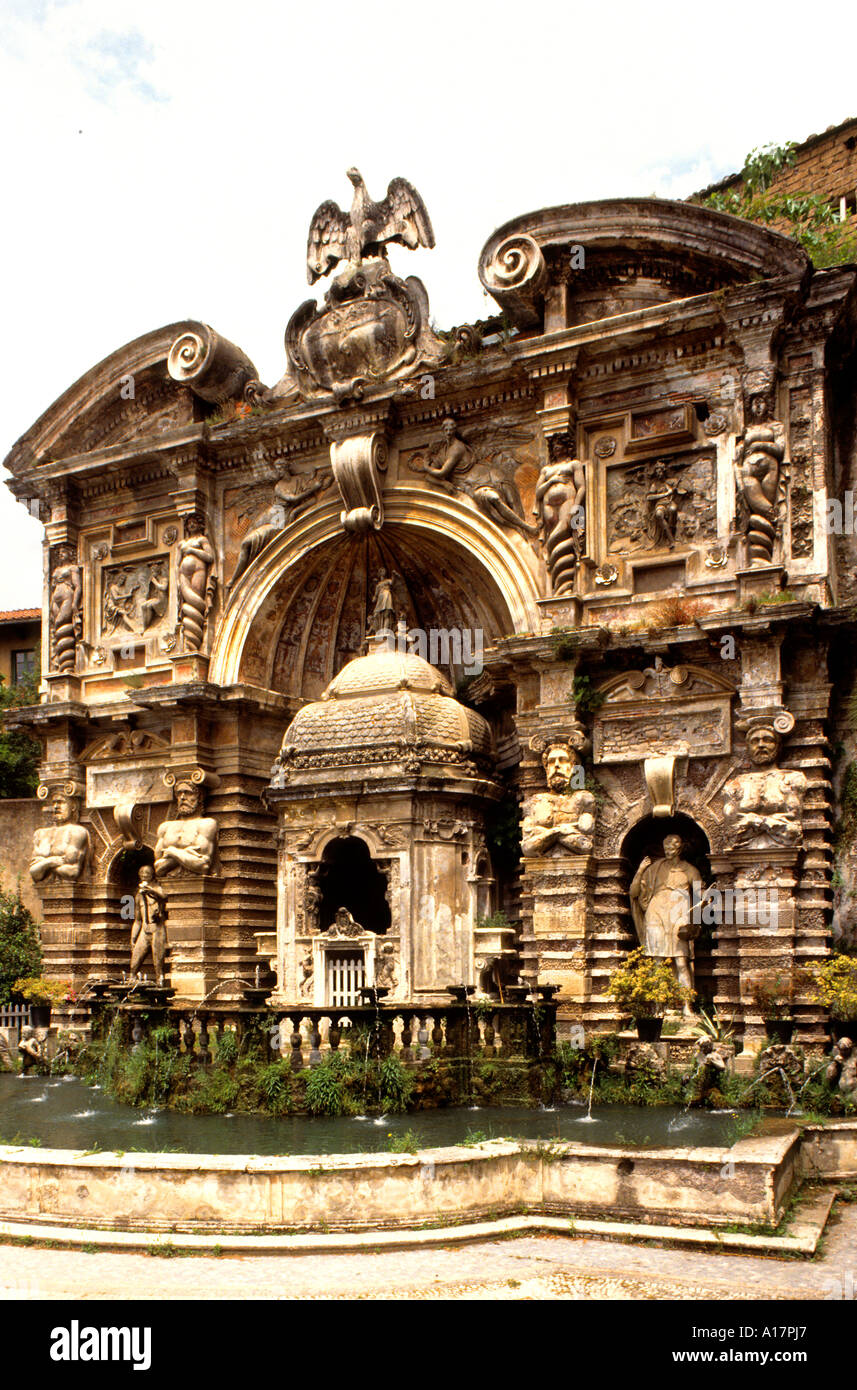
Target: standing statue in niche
column 61, row 850
column 764, row 807
column 383, row 615
column 189, row 842
column 663, row 893
column 758, row 460
column 560, row 820
column 560, row 507
column 148, row 932
column 66, row 617
column 197, row 581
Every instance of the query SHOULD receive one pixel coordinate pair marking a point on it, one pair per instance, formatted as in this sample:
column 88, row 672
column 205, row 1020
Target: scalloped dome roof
column 383, row 671
column 387, row 707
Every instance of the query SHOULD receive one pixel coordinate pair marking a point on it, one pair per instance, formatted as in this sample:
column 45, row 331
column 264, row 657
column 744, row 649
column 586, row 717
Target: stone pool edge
column 749, row 1183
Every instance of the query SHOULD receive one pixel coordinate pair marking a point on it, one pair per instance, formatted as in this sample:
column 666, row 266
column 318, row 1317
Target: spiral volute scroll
column 513, row 271
column 215, row 369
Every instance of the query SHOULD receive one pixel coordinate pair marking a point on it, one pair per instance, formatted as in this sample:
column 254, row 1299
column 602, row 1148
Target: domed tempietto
column 381, row 790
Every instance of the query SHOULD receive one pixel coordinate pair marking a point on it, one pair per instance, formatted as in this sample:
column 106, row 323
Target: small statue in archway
column 148, row 931
column 383, row 615
column 663, row 893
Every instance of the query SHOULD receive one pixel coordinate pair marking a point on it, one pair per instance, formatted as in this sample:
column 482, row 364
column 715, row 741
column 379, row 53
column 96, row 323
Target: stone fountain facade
column 603, row 518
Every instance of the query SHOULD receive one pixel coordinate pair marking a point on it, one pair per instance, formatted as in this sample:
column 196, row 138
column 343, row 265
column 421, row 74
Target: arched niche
column 646, row 838
column 348, row 877
column 299, row 612
column 124, row 872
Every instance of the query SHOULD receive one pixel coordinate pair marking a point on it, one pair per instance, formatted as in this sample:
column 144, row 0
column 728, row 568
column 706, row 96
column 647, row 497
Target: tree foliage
column 810, row 219
column 20, row 949
column 19, row 753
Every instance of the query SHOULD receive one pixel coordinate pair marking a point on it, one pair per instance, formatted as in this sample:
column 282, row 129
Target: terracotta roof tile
column 20, row 615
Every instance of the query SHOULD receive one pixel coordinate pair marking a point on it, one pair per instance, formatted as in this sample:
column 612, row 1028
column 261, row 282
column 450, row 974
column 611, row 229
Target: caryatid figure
column 61, row 850
column 559, row 820
column 663, row 893
column 560, row 502
column 197, row 581
column 189, row 842
column 65, row 612
column 148, row 932
column 758, row 459
column 765, row 807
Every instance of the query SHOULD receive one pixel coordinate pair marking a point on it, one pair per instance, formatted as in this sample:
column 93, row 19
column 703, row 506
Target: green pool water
column 63, row 1113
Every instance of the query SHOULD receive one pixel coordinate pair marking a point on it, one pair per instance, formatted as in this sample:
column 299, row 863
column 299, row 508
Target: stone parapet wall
column 195, row 1192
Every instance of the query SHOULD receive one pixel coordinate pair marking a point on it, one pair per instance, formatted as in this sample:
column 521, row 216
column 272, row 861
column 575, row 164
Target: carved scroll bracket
column 357, row 463
column 660, row 780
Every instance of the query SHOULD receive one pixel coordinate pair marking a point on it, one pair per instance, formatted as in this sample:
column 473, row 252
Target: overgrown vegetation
column 348, row 1081
column 586, row 699
column 674, row 611
column 19, row 753
column 20, row 949
column 807, row 217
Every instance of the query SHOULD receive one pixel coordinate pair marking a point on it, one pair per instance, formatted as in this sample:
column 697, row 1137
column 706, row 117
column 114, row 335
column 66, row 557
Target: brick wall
column 825, row 165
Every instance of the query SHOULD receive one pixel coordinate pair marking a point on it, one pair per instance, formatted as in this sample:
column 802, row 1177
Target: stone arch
column 348, row 876
column 468, row 565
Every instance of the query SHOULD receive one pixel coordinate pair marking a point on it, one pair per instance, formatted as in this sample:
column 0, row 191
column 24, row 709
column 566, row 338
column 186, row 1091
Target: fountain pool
column 64, row 1113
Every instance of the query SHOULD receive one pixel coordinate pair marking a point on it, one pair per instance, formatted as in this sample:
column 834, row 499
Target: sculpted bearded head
column 763, row 745
column 188, row 799
column 559, row 762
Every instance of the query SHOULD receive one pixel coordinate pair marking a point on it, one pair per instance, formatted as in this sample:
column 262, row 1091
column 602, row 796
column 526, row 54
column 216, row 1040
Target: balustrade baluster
column 423, row 1037
column 407, row 1054
column 296, row 1060
column 204, row 1050
column 437, row 1034
column 314, row 1041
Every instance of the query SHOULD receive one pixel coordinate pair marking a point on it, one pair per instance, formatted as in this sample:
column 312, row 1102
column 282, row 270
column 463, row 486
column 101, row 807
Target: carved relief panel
column 652, row 499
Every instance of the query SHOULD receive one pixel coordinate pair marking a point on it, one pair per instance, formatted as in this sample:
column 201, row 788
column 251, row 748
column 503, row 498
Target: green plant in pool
column 405, row 1143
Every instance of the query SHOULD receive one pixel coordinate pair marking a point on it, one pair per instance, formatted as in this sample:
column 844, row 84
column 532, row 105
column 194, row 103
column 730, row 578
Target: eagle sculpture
column 335, row 236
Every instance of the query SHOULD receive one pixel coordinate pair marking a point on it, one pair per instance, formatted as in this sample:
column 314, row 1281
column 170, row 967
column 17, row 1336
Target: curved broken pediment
column 127, row 396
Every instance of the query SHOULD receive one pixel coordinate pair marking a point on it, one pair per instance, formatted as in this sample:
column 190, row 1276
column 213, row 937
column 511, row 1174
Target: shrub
column 834, row 984
column 647, row 987
column 275, row 1086
column 325, row 1088
column 396, row 1085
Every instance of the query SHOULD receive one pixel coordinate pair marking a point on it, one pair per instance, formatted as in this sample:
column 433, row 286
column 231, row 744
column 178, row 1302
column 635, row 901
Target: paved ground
column 542, row 1267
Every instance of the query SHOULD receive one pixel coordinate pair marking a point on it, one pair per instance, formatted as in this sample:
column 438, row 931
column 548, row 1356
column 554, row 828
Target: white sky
column 162, row 159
